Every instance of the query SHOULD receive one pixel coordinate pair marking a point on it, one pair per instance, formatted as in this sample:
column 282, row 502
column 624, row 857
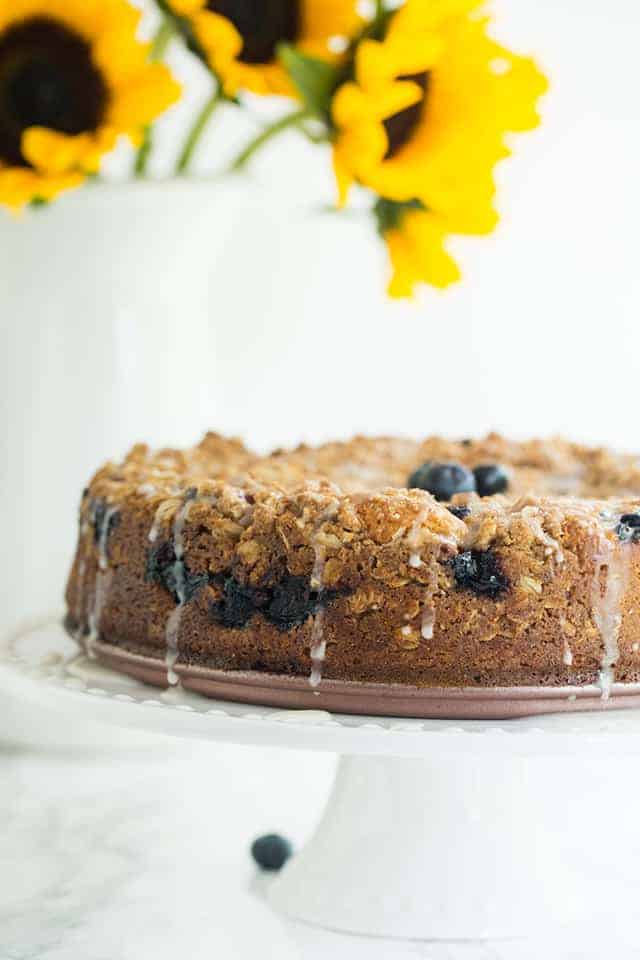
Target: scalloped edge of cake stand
column 371, row 699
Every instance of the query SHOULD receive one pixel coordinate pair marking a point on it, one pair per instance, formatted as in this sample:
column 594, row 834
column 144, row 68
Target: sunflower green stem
column 198, row 128
column 295, row 119
column 159, row 45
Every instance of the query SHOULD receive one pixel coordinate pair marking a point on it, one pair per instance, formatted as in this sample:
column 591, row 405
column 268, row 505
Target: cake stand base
column 438, row 849
column 473, row 831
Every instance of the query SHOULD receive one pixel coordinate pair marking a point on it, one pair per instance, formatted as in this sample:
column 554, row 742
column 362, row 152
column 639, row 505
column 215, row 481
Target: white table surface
column 141, row 853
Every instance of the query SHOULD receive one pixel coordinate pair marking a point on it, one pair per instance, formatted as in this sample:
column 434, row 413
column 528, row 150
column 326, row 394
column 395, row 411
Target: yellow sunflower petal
column 343, row 175
column 118, row 55
column 322, row 21
column 417, row 254
column 349, row 105
column 222, row 44
column 380, row 63
column 396, row 97
column 219, row 34
column 415, row 16
column 50, row 152
column 187, row 8
column 19, row 186
column 375, row 65
column 143, row 98
column 518, row 87
column 367, row 142
column 72, row 13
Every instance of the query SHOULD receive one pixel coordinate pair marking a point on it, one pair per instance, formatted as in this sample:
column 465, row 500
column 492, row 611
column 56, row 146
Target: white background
column 542, row 336
column 544, row 326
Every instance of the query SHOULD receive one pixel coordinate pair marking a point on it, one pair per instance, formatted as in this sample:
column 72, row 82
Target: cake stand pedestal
column 435, row 830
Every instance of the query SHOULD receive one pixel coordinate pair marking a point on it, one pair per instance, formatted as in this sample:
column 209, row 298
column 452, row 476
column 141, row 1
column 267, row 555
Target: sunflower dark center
column 400, row 126
column 48, row 79
column 263, row 24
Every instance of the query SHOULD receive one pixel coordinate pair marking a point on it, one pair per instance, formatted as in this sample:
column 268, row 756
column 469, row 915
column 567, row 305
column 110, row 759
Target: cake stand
column 435, row 830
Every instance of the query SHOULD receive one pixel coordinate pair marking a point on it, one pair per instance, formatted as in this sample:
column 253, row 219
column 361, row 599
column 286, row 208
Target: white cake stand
column 435, row 830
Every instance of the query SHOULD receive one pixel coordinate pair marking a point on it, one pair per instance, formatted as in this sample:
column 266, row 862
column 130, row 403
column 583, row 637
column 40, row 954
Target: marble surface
column 141, row 853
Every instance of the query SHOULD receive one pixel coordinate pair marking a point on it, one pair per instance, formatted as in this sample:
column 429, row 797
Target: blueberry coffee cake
column 433, row 564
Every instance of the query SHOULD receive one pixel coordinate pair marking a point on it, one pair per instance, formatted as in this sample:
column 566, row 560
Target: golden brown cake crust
column 320, row 562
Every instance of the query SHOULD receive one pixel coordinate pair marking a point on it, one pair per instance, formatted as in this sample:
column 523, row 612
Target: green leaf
column 314, row 79
column 389, row 213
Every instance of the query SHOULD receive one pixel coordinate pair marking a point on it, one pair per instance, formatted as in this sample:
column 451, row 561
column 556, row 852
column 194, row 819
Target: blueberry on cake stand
column 438, row 830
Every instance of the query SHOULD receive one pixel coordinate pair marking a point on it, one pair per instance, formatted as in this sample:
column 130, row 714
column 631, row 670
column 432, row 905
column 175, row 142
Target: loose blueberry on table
column 271, row 851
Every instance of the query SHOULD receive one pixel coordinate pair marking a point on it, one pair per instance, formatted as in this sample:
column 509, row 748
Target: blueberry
column 443, row 480
column 174, row 575
column 287, row 604
column 159, row 558
column 480, row 571
column 271, row 851
column 292, row 602
column 490, row 478
column 237, row 606
column 461, row 512
column 629, row 527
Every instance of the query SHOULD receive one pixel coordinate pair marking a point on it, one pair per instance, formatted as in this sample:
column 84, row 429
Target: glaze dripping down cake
column 448, row 564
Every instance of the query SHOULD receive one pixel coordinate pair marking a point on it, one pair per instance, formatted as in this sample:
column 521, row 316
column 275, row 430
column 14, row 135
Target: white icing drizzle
column 607, row 613
column 103, row 537
column 551, row 545
column 413, row 537
column 102, row 586
column 82, row 572
column 154, row 530
column 100, row 594
column 318, row 648
column 172, row 628
column 171, row 637
column 567, row 656
column 428, row 618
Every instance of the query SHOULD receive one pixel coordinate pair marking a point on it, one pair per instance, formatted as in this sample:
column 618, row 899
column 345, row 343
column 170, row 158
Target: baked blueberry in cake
column 434, row 563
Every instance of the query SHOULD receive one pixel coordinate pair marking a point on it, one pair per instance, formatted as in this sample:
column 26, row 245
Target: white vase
column 108, row 326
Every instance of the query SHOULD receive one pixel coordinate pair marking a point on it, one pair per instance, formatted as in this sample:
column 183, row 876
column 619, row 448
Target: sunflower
column 423, row 123
column 240, row 38
column 73, row 78
column 415, row 240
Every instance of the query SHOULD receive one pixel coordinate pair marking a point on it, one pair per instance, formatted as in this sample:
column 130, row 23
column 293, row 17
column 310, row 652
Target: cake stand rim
column 126, row 703
column 391, row 700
